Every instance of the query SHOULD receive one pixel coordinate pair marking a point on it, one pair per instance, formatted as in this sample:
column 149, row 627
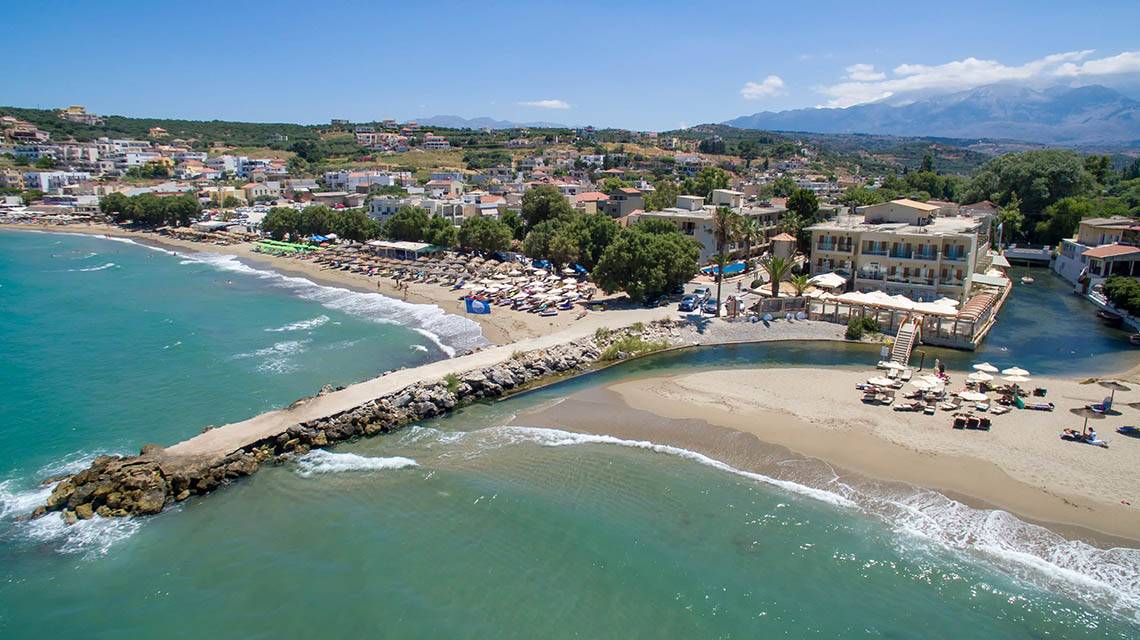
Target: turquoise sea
column 461, row 526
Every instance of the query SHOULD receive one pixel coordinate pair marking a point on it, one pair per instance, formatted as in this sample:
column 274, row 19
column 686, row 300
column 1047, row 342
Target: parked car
column 703, row 292
column 690, row 302
column 710, row 306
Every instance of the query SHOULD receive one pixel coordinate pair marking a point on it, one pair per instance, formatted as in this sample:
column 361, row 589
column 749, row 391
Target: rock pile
column 144, row 484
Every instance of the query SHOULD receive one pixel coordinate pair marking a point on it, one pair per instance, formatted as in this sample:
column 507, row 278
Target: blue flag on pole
column 478, row 306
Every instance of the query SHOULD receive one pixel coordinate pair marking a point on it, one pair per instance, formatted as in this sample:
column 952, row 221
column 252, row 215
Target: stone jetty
column 157, row 477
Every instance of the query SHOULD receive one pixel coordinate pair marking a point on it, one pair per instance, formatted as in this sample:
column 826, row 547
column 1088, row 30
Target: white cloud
column 864, row 73
column 864, row 84
column 1126, row 62
column 770, row 86
column 546, row 104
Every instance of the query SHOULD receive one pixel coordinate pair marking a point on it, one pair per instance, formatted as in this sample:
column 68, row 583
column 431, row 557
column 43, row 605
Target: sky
column 638, row 65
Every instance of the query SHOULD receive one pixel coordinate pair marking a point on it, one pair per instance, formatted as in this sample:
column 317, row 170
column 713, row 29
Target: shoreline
column 499, row 327
column 746, row 417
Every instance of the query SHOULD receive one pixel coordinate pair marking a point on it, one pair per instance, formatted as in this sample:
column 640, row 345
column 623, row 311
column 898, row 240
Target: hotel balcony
column 868, row 251
column 833, row 246
column 901, row 254
column 954, row 256
column 870, row 275
column 925, row 255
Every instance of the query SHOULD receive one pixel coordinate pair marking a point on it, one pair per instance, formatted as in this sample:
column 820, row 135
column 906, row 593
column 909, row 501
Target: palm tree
column 726, row 225
column 777, row 267
column 750, row 231
column 800, row 283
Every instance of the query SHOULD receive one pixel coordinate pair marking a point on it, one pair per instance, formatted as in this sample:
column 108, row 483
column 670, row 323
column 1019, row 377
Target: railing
column 868, row 251
column 954, row 257
column 870, row 275
column 926, row 255
column 833, row 246
column 952, row 282
column 901, row 254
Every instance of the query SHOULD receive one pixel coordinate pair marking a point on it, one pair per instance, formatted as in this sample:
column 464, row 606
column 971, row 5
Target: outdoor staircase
column 905, row 340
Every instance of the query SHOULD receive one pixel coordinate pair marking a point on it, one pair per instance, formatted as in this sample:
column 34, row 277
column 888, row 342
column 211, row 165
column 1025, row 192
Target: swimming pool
column 729, row 269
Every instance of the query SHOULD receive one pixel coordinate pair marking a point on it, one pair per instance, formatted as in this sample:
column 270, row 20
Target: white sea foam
column 17, row 502
column 93, row 537
column 418, row 347
column 448, row 331
column 278, row 357
column 558, row 438
column 71, row 463
column 1028, row 551
column 301, row 325
column 321, row 461
column 108, row 265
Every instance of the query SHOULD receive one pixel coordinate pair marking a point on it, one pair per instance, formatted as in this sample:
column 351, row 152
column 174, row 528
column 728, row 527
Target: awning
column 828, row 280
column 1000, row 261
column 992, row 281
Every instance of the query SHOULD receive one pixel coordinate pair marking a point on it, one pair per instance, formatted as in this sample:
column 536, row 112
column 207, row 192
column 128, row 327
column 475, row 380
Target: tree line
column 150, row 210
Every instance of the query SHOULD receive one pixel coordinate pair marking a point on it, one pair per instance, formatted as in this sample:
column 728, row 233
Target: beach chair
column 952, row 404
column 906, row 375
column 984, row 423
column 893, row 374
column 982, row 406
column 929, row 409
column 1104, row 407
column 972, row 422
column 997, row 411
column 960, row 421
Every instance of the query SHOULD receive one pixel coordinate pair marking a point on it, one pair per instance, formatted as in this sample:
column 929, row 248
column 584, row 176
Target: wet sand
column 809, row 426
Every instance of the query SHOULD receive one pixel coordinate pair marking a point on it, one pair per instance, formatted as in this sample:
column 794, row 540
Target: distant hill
column 1083, row 116
column 459, row 122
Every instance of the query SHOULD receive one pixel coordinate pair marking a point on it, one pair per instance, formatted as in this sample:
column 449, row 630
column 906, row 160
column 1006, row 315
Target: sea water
column 465, row 527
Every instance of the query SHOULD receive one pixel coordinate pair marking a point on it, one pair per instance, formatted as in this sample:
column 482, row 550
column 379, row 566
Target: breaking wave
column 301, row 325
column 320, row 461
column 447, row 331
column 108, row 265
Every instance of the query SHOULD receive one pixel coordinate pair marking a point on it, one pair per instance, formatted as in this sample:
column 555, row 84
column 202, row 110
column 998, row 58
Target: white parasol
column 986, row 367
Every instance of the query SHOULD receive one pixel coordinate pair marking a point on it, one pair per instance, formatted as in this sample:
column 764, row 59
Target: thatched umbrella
column 1086, row 413
column 1114, row 386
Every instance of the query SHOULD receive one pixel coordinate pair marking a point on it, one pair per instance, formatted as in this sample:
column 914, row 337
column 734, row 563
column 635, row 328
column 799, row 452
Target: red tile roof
column 1111, row 251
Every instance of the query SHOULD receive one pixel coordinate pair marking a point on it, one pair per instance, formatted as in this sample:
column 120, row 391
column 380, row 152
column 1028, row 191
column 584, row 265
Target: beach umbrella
column 1086, row 413
column 985, row 367
column 921, row 385
column 880, row 381
column 1016, row 379
column 1114, row 386
column 979, row 376
column 932, row 379
column 1014, row 371
column 894, row 365
column 973, row 396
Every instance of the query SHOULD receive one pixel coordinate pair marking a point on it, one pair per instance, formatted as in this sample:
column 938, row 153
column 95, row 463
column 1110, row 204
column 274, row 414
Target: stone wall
column 145, row 484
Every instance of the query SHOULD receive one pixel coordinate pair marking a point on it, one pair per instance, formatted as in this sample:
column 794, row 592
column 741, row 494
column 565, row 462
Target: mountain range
column 1082, row 116
column 459, row 122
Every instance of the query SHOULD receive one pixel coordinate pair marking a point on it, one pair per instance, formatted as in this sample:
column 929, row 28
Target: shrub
column 856, row 327
column 757, row 283
column 1124, row 293
column 452, row 382
column 631, row 345
column 603, row 334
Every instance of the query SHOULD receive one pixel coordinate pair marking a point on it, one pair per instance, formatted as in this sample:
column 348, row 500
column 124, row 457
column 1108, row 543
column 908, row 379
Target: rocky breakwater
column 116, row 486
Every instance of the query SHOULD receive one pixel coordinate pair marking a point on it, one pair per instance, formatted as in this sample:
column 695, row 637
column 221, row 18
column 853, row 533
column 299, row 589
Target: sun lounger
column 984, row 423
column 928, row 409
column 982, row 406
column 1040, row 406
column 959, row 421
column 999, row 410
column 906, row 375
column 972, row 422
column 1103, row 407
column 892, row 373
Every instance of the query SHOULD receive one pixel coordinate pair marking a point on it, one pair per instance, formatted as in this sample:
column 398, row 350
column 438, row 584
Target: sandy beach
column 499, row 327
column 1020, row 466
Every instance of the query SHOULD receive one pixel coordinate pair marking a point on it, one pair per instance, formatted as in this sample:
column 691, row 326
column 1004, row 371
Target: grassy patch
column 631, row 345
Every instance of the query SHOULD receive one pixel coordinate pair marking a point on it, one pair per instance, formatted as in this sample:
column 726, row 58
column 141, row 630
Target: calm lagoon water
column 460, row 527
